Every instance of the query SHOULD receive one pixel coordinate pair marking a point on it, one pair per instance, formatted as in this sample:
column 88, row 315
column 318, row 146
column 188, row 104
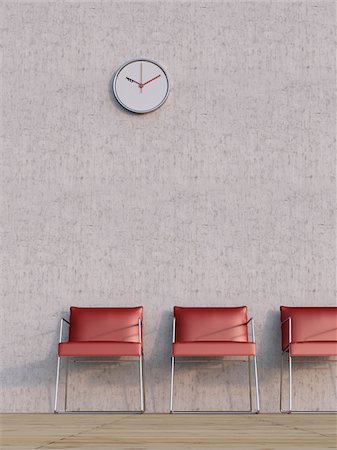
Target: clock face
column 141, row 86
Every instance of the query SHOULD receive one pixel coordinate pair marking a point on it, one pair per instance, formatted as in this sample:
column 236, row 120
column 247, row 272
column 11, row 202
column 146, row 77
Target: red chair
column 107, row 332
column 215, row 332
column 307, row 331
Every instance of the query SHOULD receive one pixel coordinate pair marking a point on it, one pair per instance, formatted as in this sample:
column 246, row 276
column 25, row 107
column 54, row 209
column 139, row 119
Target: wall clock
column 141, row 85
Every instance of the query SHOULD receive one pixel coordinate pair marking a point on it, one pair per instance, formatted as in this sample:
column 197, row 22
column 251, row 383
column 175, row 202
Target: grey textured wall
column 224, row 196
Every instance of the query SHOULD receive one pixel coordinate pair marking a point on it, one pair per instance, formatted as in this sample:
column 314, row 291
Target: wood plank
column 168, row 432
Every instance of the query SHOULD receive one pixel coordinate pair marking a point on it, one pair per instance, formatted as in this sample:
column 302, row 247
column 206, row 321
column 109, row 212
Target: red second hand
column 148, row 81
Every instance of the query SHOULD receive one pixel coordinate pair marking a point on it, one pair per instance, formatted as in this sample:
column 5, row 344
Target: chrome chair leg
column 281, row 382
column 250, row 384
column 66, row 387
column 290, row 384
column 256, row 386
column 57, row 383
column 141, row 382
column 172, row 384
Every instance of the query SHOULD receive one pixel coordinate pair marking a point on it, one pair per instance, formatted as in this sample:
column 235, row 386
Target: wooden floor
column 170, row 432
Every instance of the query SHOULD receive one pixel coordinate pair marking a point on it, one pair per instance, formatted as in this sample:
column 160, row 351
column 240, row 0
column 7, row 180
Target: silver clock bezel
column 114, row 90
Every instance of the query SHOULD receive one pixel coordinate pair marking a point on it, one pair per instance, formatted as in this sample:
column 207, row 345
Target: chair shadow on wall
column 40, row 375
column 39, row 372
column 269, row 356
column 158, row 361
column 26, row 376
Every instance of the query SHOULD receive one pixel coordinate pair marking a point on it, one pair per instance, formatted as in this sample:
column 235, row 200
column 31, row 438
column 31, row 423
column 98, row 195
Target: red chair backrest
column 104, row 324
column 309, row 323
column 211, row 324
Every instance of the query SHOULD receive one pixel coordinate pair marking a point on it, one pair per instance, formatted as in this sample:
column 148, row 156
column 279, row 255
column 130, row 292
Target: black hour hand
column 131, row 80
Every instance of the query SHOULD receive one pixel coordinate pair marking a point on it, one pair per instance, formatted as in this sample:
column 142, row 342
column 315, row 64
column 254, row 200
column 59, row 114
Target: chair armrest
column 140, row 329
column 288, row 321
column 61, row 328
column 174, row 330
column 251, row 322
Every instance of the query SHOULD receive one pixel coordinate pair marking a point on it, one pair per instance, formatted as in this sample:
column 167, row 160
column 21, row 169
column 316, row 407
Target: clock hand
column 141, row 78
column 141, row 85
column 132, row 81
column 149, row 81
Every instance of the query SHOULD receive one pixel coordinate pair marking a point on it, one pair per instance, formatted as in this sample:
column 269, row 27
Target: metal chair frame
column 250, row 411
column 290, row 370
column 141, row 380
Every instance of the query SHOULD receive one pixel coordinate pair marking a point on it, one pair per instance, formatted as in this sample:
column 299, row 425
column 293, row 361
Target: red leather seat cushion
column 213, row 348
column 313, row 348
column 99, row 349
column 313, row 329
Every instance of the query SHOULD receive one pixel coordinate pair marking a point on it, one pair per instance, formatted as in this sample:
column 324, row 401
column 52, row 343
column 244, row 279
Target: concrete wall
column 224, row 196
